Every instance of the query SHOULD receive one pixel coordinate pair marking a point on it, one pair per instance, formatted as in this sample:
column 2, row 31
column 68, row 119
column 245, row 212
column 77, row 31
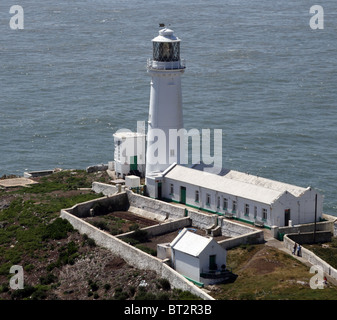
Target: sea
column 258, row 70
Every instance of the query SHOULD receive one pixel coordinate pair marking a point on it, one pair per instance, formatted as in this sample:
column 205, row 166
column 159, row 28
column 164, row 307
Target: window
column 264, row 214
column 171, row 189
column 166, row 51
column 171, row 152
column 234, row 206
column 225, row 204
column 208, row 199
column 196, row 196
column 246, row 209
column 218, row 204
column 255, row 212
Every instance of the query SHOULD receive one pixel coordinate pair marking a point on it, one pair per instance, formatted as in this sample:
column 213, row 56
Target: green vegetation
column 328, row 253
column 264, row 273
column 30, row 224
column 47, row 247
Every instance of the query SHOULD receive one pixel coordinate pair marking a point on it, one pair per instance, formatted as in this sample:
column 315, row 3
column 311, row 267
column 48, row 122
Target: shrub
column 40, row 293
column 146, row 249
column 48, row 279
column 165, row 284
column 93, row 285
column 132, row 291
column 120, row 294
column 133, row 227
column 67, row 255
column 163, row 296
column 26, row 292
column 101, row 225
column 91, row 242
column 140, row 235
column 107, row 286
column 57, row 230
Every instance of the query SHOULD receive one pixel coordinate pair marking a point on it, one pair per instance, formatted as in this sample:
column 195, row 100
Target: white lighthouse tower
column 165, row 110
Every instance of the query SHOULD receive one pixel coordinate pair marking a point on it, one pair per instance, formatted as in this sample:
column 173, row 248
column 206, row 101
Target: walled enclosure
column 130, row 254
column 170, row 217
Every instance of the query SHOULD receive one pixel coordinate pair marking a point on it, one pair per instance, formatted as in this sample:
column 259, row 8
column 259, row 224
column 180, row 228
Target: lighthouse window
column 166, row 51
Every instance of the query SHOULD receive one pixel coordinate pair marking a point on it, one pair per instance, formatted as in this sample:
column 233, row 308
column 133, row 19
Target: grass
column 328, row 254
column 32, row 235
column 268, row 274
column 31, row 219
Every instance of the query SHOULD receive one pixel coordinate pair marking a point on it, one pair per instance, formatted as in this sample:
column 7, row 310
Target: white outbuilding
column 242, row 196
column 129, row 154
column 195, row 256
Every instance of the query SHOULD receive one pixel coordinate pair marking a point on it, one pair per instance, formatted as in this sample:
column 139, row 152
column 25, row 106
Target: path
column 272, row 242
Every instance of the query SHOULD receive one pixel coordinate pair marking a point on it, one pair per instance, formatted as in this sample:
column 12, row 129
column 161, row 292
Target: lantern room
column 166, row 51
column 166, row 47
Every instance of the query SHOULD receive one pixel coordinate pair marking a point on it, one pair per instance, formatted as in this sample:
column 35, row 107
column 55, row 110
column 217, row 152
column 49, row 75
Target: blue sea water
column 255, row 69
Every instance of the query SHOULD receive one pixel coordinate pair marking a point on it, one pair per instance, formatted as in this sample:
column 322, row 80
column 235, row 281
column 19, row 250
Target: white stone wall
column 167, row 210
column 310, row 257
column 134, row 256
column 202, row 220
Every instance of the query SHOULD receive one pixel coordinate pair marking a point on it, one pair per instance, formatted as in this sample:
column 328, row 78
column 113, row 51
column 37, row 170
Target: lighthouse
column 165, row 109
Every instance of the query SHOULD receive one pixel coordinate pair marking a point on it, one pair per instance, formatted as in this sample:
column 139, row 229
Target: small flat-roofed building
column 242, row 196
column 129, row 154
column 194, row 255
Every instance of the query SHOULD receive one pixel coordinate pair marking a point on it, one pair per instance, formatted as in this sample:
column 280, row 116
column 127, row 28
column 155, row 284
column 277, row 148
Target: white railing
column 166, row 65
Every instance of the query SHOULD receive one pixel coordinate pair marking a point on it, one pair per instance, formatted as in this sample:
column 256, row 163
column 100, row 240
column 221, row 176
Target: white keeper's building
column 242, row 196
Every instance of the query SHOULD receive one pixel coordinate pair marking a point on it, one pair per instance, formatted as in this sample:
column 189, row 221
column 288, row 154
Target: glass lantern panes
column 166, row 51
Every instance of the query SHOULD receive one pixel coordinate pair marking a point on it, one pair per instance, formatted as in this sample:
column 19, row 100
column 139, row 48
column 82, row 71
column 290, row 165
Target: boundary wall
column 132, row 255
column 162, row 228
column 310, row 257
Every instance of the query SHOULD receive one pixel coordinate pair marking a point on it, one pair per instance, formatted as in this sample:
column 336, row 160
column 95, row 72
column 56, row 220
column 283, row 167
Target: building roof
column 235, row 183
column 267, row 183
column 190, row 243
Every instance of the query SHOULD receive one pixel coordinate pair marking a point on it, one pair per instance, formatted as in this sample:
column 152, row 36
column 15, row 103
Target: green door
column 159, row 190
column 212, row 262
column 133, row 163
column 183, row 195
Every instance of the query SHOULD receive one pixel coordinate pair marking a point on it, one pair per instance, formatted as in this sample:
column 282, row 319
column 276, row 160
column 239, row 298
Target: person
column 325, row 280
column 295, row 246
column 298, row 249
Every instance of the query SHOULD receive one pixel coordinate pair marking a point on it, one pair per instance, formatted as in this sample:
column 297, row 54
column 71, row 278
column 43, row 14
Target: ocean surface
column 77, row 73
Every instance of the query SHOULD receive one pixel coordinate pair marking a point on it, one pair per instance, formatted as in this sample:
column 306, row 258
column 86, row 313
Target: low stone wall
column 250, row 238
column 157, row 207
column 133, row 256
column 98, row 167
column 202, row 220
column 118, row 202
column 310, row 257
column 230, row 228
column 104, row 188
column 308, row 237
column 308, row 227
column 162, row 228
